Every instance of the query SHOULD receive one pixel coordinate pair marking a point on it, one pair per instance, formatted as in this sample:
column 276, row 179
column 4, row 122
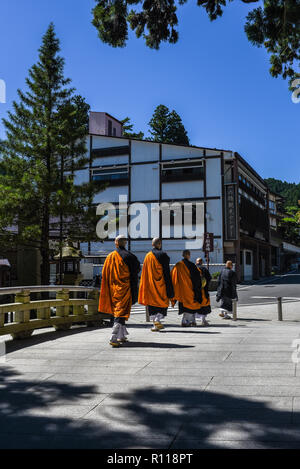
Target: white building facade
column 153, row 174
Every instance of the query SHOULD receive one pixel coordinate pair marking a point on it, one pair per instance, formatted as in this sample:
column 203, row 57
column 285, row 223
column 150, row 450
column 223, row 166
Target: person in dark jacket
column 205, row 274
column 97, row 281
column 205, row 305
column 227, row 290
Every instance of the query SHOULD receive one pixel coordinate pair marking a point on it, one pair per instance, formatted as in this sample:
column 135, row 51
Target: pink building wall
column 99, row 124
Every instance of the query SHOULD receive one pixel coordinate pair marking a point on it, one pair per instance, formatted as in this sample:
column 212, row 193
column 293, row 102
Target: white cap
column 121, row 236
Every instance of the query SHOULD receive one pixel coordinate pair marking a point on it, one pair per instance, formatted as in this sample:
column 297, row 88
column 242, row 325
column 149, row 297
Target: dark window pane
column 109, row 127
column 248, row 258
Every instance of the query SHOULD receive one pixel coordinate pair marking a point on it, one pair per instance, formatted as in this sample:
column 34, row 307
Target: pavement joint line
column 141, row 369
column 210, row 381
column 228, row 355
column 265, row 303
column 48, row 377
column 106, row 397
column 175, row 436
column 293, row 298
column 96, row 405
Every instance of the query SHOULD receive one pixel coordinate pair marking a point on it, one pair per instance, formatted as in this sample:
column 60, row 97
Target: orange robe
column 115, row 293
column 153, row 290
column 183, row 287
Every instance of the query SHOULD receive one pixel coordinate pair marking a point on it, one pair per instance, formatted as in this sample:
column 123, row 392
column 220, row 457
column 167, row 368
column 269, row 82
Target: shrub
column 215, row 275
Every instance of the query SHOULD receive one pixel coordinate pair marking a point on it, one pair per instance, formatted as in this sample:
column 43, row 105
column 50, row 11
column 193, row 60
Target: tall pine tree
column 166, row 127
column 128, row 129
column 159, row 124
column 176, row 130
column 45, row 144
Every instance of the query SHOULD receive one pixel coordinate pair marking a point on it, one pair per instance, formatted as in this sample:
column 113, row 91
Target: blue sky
column 213, row 77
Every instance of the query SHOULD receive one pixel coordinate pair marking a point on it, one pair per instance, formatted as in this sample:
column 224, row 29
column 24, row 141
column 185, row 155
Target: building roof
column 238, row 156
column 252, row 170
column 107, row 114
column 151, row 141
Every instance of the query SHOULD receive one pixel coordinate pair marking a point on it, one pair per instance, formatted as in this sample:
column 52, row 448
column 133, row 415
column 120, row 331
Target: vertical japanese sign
column 208, row 242
column 208, row 245
column 230, row 212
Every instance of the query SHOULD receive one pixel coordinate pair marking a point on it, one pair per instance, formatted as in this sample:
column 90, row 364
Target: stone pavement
column 231, row 385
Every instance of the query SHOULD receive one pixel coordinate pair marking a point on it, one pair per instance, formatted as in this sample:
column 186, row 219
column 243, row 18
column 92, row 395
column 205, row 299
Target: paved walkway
column 232, row 385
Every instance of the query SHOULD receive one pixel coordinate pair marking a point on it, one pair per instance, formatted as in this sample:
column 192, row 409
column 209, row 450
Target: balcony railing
column 22, row 316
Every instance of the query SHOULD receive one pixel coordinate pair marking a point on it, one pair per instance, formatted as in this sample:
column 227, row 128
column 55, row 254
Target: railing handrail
column 44, row 288
column 24, row 315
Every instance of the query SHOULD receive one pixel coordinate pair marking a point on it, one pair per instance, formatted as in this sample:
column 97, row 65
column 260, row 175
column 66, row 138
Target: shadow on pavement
column 190, row 331
column 254, row 319
column 170, row 417
column 41, row 337
column 133, row 343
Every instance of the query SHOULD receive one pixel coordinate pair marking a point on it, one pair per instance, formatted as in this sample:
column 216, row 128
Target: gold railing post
column 23, row 316
column 63, row 295
column 78, row 310
column 44, row 313
column 93, row 295
column 22, row 297
column 69, row 311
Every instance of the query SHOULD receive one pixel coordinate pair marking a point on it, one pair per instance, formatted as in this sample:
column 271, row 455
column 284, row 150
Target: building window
column 114, row 176
column 114, row 132
column 248, row 258
column 272, row 206
column 253, row 217
column 69, row 267
column 109, row 127
column 250, row 189
column 182, row 171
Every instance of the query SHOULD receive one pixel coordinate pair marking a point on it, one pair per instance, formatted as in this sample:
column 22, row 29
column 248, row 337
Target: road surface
column 287, row 286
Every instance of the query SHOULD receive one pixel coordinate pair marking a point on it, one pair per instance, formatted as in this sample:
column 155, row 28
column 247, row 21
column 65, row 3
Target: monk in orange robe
column 187, row 289
column 119, row 288
column 156, row 287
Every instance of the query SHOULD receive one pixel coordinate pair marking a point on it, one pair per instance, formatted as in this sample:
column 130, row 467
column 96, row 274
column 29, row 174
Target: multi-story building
column 285, row 255
column 231, row 197
column 253, row 223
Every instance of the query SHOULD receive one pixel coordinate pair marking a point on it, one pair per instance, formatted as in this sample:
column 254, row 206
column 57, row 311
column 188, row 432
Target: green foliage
column 45, row 143
column 166, row 127
column 128, row 130
column 290, row 191
column 275, row 26
column 215, row 275
column 290, row 225
column 109, row 18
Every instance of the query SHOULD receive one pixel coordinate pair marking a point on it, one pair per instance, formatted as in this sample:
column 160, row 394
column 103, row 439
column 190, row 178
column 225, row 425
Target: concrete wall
column 183, row 189
column 98, row 124
column 144, row 151
column 170, row 152
column 145, row 182
column 106, row 142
